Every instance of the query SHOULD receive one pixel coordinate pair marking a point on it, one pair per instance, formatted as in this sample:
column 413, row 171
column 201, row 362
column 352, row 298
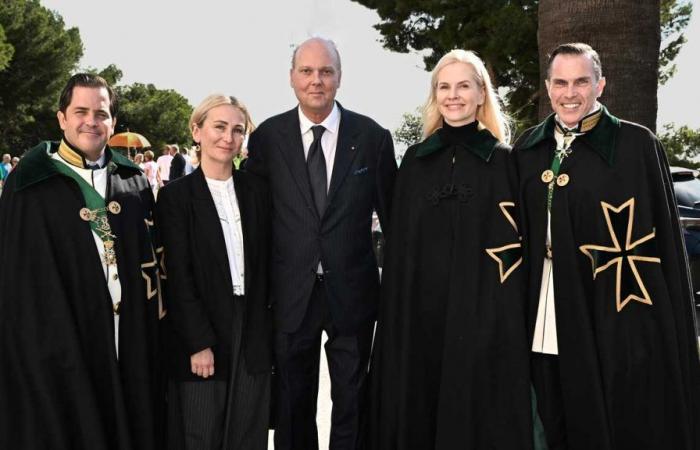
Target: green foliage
column 411, row 129
column 40, row 54
column 6, row 50
column 504, row 34
column 161, row 115
column 682, row 145
column 112, row 74
column 675, row 16
column 45, row 54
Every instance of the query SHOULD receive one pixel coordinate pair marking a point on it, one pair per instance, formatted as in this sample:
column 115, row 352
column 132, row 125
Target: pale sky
column 243, row 48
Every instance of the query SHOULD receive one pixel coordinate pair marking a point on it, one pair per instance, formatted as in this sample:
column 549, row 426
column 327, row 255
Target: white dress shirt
column 329, row 140
column 224, row 195
column 98, row 180
column 545, row 336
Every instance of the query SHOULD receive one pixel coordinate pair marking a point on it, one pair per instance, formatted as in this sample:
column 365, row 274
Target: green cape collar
column 36, row 165
column 602, row 138
column 481, row 143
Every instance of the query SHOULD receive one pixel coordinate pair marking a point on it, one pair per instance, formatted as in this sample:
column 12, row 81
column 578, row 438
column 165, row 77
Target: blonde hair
column 199, row 115
column 490, row 115
column 148, row 155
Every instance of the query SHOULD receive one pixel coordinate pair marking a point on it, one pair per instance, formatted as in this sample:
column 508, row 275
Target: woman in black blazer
column 214, row 225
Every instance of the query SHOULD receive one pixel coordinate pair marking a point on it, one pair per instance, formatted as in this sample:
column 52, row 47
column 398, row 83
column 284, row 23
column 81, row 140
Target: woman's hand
column 202, row 363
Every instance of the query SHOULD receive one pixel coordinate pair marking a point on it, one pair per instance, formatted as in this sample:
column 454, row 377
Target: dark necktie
column 94, row 166
column 316, row 166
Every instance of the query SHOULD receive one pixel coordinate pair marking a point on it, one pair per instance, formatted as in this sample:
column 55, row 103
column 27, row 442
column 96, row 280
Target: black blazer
column 177, row 166
column 362, row 180
column 199, row 290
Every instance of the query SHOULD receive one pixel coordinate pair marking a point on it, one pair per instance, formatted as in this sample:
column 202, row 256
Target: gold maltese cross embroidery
column 628, row 282
column 509, row 256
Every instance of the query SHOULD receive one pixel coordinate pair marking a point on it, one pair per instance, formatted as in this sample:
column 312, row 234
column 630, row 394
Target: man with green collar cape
column 79, row 297
column 611, row 325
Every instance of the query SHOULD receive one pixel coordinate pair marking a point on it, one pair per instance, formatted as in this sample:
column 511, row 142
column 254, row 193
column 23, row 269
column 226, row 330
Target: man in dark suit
column 327, row 169
column 177, row 165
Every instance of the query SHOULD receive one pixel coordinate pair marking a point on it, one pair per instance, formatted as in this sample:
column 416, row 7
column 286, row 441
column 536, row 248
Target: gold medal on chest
column 114, row 207
column 85, row 214
column 547, row 176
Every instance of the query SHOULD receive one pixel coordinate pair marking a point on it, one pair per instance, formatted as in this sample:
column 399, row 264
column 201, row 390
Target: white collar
column 100, row 161
column 330, row 123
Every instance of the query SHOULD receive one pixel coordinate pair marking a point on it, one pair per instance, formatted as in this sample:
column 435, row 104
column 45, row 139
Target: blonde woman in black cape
column 450, row 369
column 214, row 225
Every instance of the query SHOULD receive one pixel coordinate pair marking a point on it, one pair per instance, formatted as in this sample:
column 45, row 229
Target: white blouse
column 224, row 196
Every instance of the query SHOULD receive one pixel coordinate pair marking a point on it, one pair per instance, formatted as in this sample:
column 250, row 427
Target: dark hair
column 576, row 48
column 87, row 80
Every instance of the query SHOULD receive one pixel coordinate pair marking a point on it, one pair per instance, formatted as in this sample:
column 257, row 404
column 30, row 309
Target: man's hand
column 203, row 363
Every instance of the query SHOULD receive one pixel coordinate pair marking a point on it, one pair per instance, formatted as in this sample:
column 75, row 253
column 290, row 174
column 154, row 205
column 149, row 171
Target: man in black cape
column 615, row 353
column 79, row 300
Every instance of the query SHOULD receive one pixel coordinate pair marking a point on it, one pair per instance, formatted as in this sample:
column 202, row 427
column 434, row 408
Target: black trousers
column 298, row 358
column 550, row 404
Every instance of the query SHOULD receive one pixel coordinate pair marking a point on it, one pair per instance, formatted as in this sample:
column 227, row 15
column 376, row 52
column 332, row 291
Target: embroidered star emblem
column 151, row 287
column 509, row 256
column 603, row 257
column 161, row 263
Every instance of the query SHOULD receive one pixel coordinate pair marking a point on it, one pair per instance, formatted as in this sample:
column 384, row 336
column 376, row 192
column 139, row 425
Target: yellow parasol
column 129, row 140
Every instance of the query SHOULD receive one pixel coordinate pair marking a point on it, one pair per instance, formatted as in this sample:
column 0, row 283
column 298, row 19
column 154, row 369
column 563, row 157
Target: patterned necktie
column 316, row 166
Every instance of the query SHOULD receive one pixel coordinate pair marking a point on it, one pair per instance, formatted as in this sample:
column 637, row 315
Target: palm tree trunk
column 625, row 33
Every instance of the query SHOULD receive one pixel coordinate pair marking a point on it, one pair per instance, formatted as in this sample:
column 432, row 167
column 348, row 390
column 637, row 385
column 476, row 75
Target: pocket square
column 360, row 171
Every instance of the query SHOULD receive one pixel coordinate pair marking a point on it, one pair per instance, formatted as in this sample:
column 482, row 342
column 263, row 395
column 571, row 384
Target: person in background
column 5, row 168
column 150, row 169
column 163, row 162
column 7, row 162
column 177, row 164
column 215, row 227
column 241, row 158
column 138, row 160
column 191, row 161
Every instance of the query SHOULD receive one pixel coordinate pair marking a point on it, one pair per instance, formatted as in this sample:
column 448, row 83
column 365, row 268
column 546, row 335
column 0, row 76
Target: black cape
column 450, row 367
column 61, row 385
column 628, row 349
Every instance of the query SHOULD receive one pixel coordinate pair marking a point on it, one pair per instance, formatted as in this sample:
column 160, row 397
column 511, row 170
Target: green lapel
column 601, row 139
column 481, row 144
column 36, row 166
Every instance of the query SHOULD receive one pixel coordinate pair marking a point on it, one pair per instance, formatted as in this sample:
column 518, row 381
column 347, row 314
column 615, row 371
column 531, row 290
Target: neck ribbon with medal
column 566, row 138
column 95, row 210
